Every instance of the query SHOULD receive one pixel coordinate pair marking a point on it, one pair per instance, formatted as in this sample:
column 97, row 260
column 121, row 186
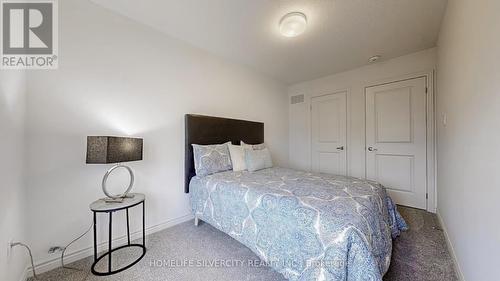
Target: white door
column 329, row 118
column 396, row 134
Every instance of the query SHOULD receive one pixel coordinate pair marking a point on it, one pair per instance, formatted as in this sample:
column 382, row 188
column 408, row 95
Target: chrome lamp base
column 118, row 198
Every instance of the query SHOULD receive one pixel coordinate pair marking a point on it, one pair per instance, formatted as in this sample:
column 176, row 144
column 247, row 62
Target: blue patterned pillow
column 211, row 159
column 258, row 159
column 259, row 146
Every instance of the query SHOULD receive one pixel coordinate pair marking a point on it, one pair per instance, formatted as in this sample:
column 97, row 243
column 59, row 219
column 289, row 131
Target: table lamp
column 114, row 150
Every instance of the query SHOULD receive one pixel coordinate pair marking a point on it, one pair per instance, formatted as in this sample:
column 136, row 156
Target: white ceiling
column 341, row 34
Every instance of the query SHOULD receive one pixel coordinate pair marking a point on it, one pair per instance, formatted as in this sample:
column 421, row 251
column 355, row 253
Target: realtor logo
column 29, row 34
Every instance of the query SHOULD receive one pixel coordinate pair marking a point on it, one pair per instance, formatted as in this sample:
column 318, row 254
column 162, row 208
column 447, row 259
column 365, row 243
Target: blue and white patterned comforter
column 306, row 226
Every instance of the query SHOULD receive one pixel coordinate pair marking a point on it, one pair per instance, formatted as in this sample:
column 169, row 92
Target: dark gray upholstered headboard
column 215, row 130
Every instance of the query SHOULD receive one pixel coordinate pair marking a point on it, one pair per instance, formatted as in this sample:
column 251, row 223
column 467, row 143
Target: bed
column 307, row 226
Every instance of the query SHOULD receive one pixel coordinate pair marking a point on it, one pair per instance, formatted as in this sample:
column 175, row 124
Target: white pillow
column 237, row 154
column 253, row 146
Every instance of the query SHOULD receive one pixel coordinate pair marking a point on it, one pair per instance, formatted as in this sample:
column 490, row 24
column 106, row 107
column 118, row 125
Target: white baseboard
column 75, row 255
column 460, row 275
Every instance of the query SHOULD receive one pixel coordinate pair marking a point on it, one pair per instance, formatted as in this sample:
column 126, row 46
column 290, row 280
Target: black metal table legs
column 108, row 254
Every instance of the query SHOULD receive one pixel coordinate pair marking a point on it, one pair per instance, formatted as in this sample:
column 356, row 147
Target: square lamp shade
column 107, row 150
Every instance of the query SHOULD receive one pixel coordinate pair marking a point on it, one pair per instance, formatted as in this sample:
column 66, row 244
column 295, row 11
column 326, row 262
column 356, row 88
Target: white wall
column 354, row 81
column 117, row 77
column 12, row 195
column 469, row 145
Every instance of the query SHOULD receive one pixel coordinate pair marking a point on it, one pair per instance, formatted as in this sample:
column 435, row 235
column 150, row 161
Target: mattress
column 307, row 226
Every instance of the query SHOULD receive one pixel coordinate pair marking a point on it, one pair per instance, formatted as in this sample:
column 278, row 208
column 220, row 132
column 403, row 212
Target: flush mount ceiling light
column 293, row 24
column 374, row 58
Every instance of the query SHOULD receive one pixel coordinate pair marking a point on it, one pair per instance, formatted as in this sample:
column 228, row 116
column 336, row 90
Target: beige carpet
column 419, row 254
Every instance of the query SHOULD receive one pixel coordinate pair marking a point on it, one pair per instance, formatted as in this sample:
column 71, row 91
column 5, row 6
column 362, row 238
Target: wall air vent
column 297, row 99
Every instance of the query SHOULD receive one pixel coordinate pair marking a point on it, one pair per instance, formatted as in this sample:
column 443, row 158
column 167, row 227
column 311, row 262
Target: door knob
column 340, row 148
column 371, row 149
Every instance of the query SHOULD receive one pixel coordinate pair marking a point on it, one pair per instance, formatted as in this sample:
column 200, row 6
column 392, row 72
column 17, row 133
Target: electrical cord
column 31, row 256
column 64, row 251
column 35, row 276
column 69, row 244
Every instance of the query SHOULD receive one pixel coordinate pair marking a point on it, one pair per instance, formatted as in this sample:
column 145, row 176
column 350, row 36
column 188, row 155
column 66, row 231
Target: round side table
column 100, row 206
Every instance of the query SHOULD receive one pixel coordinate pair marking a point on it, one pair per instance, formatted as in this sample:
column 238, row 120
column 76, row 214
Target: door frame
column 431, row 204
column 347, row 130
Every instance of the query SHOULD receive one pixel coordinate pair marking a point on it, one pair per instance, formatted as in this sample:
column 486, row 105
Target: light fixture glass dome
column 293, row 24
